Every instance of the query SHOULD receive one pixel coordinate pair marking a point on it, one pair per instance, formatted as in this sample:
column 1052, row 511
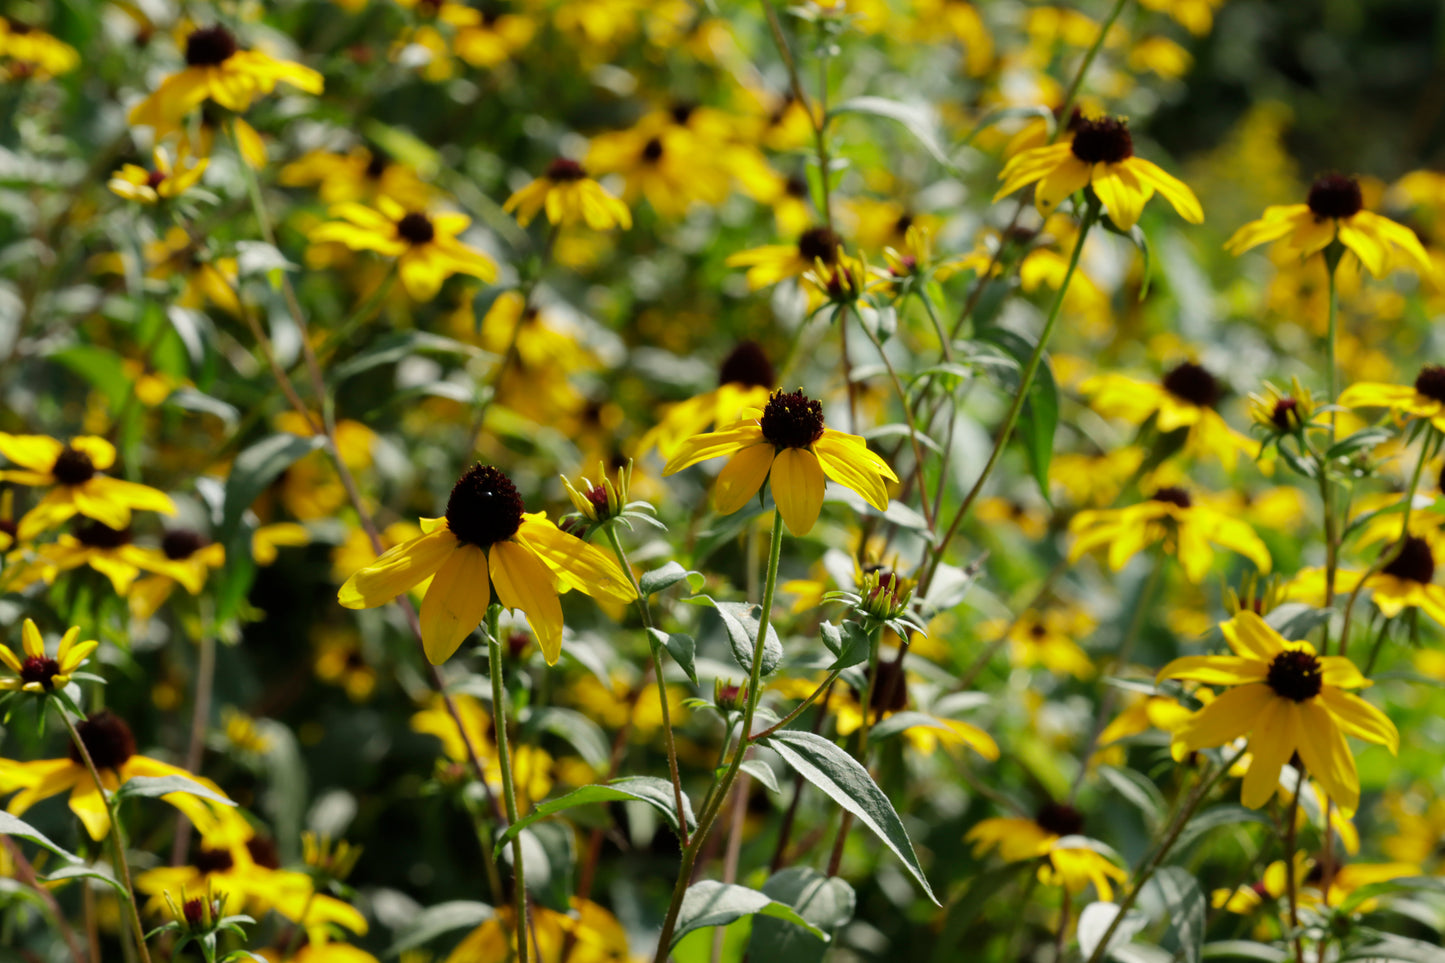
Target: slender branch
column 1291, row 884
column 509, row 793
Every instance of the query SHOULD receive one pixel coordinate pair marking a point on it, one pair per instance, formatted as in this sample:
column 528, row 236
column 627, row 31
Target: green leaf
column 1095, row 921
column 1040, row 416
column 847, row 783
column 1243, row 950
column 918, row 120
column 579, row 730
column 396, row 347
column 1183, row 908
column 255, row 469
column 98, row 871
column 15, row 826
column 1404, row 884
column 1223, row 815
column 681, row 647
column 710, row 903
column 741, row 620
column 825, row 901
column 666, row 577
column 1138, row 789
column 854, row 646
column 1364, row 438
column 1296, row 620
column 657, row 793
column 152, row 787
column 1395, row 949
column 762, row 772
column 99, row 366
column 441, row 918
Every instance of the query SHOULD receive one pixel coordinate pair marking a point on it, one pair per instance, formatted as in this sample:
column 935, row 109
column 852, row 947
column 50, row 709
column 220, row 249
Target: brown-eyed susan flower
column 112, row 748
column 186, row 559
column 425, row 245
column 662, row 161
column 1100, row 155
column 771, row 263
column 218, row 69
column 1047, row 637
column 1406, row 581
column 1280, row 412
column 78, row 487
column 745, row 380
column 1425, row 399
column 165, row 181
column 109, row 551
column 788, row 441
column 38, row 672
column 1185, row 527
column 1286, row 699
column 361, row 174
column 569, row 197
column 1046, row 836
column 25, row 51
column 1335, row 211
column 486, row 538
column 1186, row 397
column 587, row 932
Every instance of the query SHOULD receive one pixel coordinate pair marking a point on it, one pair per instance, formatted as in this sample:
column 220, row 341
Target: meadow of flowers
column 627, row 480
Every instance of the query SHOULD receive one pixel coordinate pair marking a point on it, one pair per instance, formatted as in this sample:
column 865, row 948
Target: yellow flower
column 39, row 673
column 1072, row 867
column 588, row 934
column 363, row 174
column 109, row 551
column 1334, row 211
column 1100, row 155
column 111, row 746
column 745, row 380
column 217, row 69
column 1287, row 700
column 266, row 540
column 340, row 661
column 1408, row 581
column 1425, row 399
column 80, row 488
column 186, row 558
column 787, row 440
column 166, row 181
column 531, row 765
column 569, row 197
column 426, row 246
column 1184, row 398
column 662, row 161
column 1048, row 638
column 35, row 52
column 485, row 538
column 1170, row 517
column 771, row 263
column 1196, row 16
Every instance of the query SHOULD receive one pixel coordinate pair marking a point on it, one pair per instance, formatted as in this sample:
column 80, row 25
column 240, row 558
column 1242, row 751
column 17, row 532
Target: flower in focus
column 1186, row 397
column 1172, row 518
column 74, row 469
column 218, row 69
column 166, row 181
column 1286, row 700
column 608, row 499
column 788, row 441
column 486, row 538
column 1100, row 155
column 1335, row 211
column 1070, row 866
column 425, row 245
column 1425, row 399
column 570, row 197
column 39, row 673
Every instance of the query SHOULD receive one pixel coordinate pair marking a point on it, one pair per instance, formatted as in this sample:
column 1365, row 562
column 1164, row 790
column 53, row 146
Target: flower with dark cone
column 1279, row 412
column 772, row 263
column 1185, row 397
column 569, row 197
column 76, row 472
column 745, row 380
column 486, row 539
column 1335, row 211
column 1406, row 581
column 1099, row 156
column 1425, row 399
column 112, row 748
column 1286, row 699
column 38, row 672
column 164, row 181
column 608, row 499
column 787, row 441
column 1072, row 867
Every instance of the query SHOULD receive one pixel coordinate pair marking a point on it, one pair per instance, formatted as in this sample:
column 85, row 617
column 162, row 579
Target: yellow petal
column 862, row 471
column 1175, row 191
column 1276, row 223
column 798, row 488
column 1122, row 194
column 1367, row 248
column 1326, row 756
column 398, row 569
column 713, row 445
column 1360, row 719
column 30, row 638
column 36, row 452
column 1271, row 744
column 455, row 602
column 101, row 452
column 130, row 494
column 1070, row 175
column 742, row 477
column 1228, row 717
column 524, row 583
column 1216, row 669
column 577, row 564
column 1251, row 637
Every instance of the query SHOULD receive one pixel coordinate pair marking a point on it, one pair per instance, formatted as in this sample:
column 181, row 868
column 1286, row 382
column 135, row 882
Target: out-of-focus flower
column 745, row 380
column 1047, row 637
column 361, row 174
column 1425, row 399
column 1186, row 397
column 592, row 933
column 166, row 181
column 38, row 673
column 1196, row 16
column 109, row 551
column 1072, row 867
column 569, row 197
column 74, row 471
column 27, row 52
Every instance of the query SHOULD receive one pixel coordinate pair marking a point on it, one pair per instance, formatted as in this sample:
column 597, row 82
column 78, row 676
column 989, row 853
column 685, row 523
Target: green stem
column 1089, row 58
column 719, row 794
column 504, row 762
column 1291, row 884
column 860, row 751
column 1026, row 381
column 801, row 706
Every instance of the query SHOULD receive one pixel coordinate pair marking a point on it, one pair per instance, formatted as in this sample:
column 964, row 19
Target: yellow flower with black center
column 1335, row 211
column 111, row 746
column 664, row 162
column 788, row 441
column 218, row 69
column 164, row 182
column 486, row 538
column 1071, row 866
column 186, row 559
column 1186, row 397
column 1100, row 156
column 27, row 52
column 745, row 380
column 75, row 470
column 1173, row 519
column 109, row 551
column 771, row 263
column 569, row 197
column 1425, row 399
column 1406, row 581
column 1048, row 637
column 362, row 174
column 38, row 672
column 425, row 245
column 1286, row 699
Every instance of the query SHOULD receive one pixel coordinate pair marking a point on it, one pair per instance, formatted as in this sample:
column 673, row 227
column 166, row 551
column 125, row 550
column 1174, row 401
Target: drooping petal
column 398, row 569
column 714, row 444
column 1216, row 669
column 1271, row 744
column 455, row 603
column 524, row 583
column 1251, row 637
column 854, row 466
column 1069, row 176
column 1122, row 194
column 1360, row 719
column 1228, row 717
column 1326, row 756
column 577, row 564
column 1175, row 191
column 1341, row 673
column 36, row 452
column 88, row 804
column 742, row 477
column 798, row 486
column 1367, row 248
column 1276, row 223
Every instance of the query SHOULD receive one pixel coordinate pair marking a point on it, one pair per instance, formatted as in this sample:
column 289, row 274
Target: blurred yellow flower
column 74, row 469
column 570, row 197
column 38, row 673
column 166, row 181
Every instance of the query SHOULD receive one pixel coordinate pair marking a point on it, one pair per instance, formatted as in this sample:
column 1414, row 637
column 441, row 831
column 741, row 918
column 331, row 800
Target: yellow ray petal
column 1271, row 744
column 1360, row 719
column 1228, row 717
column 398, row 569
column 713, row 445
column 1326, row 756
column 846, row 465
column 742, row 477
column 578, row 565
column 798, row 486
column 1216, row 670
column 524, row 583
column 455, row 603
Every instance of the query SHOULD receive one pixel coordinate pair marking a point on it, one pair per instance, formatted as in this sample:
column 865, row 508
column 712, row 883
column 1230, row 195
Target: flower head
column 1046, row 835
column 1185, row 397
column 75, row 472
column 1425, row 399
column 569, row 197
column 39, row 672
column 163, row 182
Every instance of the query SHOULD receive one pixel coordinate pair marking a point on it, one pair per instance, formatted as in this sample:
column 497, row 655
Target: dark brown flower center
column 682, row 112
column 263, row 852
column 1285, row 414
column 1415, row 563
column 180, row 544
column 100, row 535
column 377, row 162
column 819, row 244
column 415, row 228
column 597, row 495
column 210, row 46
column 652, row 151
column 1173, row 496
column 1192, row 383
column 107, row 738
column 1335, row 195
column 747, row 365
column 792, row 420
column 1037, row 631
column 890, row 688
column 564, row 169
column 155, row 179
column 212, row 860
column 194, row 910
column 796, row 187
column 484, row 507
column 1061, row 819
column 1295, row 674
column 73, row 467
column 40, row 669
column 1431, row 382
column 1102, row 140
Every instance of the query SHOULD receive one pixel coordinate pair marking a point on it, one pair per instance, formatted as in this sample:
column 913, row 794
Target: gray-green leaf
column 657, row 793
column 710, row 903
